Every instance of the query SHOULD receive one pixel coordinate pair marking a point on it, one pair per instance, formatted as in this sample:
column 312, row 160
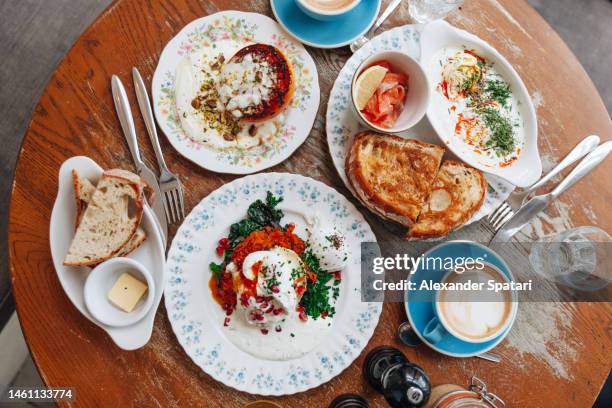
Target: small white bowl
column 100, row 281
column 325, row 15
column 417, row 98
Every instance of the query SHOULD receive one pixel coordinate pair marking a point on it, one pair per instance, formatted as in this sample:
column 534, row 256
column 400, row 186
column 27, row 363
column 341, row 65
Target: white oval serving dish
column 72, row 279
column 527, row 169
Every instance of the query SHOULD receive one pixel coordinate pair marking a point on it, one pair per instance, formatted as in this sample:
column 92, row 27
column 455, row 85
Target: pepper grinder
column 404, row 385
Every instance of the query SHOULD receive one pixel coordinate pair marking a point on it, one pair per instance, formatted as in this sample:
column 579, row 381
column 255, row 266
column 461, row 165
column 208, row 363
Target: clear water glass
column 424, row 11
column 578, row 258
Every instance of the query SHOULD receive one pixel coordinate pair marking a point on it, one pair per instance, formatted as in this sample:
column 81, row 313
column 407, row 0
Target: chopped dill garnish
column 501, row 139
column 499, row 91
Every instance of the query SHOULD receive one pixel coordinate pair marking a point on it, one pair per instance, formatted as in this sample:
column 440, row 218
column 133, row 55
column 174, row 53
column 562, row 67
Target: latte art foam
column 475, row 314
column 329, row 5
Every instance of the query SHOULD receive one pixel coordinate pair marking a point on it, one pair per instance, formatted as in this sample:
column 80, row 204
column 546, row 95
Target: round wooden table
column 556, row 355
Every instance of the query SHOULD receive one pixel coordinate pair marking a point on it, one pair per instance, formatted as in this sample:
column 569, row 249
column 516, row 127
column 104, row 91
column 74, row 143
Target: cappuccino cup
column 472, row 311
column 326, row 10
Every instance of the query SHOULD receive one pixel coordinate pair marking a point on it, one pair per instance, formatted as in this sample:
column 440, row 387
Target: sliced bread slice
column 84, row 189
column 110, row 220
column 392, row 176
column 458, row 192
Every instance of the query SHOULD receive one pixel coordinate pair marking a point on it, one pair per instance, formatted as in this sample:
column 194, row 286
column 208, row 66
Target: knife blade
column 537, row 204
column 122, row 106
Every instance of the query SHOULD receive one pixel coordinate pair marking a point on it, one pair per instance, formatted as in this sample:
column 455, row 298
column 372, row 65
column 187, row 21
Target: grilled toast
column 458, row 192
column 392, row 176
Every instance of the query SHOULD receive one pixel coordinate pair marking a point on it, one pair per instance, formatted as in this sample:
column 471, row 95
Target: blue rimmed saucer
column 325, row 34
column 420, row 305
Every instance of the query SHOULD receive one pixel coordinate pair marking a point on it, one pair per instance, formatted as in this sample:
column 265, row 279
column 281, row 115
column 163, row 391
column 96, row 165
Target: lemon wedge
column 367, row 83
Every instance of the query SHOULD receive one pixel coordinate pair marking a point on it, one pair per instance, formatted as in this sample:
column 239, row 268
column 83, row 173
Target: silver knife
column 527, row 212
column 122, row 106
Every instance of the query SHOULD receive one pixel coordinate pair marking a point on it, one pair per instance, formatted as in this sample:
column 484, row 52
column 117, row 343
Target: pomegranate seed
column 278, row 311
column 278, row 329
column 337, row 276
column 259, row 299
column 226, row 322
column 220, row 251
column 264, row 331
column 299, row 308
column 270, row 309
column 303, row 316
column 223, row 241
column 324, row 314
column 274, row 289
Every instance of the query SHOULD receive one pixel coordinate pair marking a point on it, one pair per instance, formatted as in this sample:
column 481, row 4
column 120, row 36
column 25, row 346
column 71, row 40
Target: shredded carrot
column 267, row 238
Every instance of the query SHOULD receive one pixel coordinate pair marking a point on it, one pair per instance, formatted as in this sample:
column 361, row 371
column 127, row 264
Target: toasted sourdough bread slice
column 110, row 220
column 83, row 190
column 392, row 176
column 458, row 192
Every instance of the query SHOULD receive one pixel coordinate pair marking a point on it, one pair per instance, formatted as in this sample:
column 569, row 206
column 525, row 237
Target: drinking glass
column 578, row 258
column 424, row 11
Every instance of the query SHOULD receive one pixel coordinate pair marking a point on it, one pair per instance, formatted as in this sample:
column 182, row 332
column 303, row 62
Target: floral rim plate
column 239, row 29
column 342, row 124
column 197, row 320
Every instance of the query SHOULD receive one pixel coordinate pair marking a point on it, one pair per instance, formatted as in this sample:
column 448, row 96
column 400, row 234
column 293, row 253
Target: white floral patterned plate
column 233, row 30
column 197, row 320
column 342, row 124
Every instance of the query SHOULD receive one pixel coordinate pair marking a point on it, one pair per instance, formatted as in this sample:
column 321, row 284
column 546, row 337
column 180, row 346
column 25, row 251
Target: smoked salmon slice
column 386, row 104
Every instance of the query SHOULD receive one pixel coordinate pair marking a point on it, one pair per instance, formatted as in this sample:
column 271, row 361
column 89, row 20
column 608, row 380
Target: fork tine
column 177, row 204
column 181, row 201
column 175, row 212
column 503, row 220
column 503, row 206
column 500, row 214
column 168, row 197
column 166, row 209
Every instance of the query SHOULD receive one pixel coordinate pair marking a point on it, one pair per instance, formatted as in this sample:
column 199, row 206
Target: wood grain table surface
column 557, row 355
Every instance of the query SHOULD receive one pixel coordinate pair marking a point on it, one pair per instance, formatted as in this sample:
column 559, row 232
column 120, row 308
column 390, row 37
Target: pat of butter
column 126, row 292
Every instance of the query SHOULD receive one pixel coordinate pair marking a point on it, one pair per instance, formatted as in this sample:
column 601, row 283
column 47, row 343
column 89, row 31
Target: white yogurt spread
column 481, row 106
column 198, row 75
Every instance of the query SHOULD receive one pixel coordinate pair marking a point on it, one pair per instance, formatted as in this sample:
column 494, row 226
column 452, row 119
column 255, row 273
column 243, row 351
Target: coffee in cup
column 472, row 315
column 329, row 5
column 327, row 10
column 475, row 315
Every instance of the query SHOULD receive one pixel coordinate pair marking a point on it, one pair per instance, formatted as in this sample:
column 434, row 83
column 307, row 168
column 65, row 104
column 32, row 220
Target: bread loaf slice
column 110, row 220
column 458, row 192
column 392, row 176
column 84, row 189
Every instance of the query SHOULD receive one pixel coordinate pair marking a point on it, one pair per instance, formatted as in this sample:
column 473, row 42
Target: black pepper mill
column 404, row 385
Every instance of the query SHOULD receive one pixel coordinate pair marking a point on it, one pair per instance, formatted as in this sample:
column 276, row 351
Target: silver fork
column 169, row 184
column 517, row 198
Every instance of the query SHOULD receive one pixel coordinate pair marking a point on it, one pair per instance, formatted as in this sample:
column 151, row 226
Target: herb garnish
column 501, row 138
column 499, row 91
column 316, row 299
